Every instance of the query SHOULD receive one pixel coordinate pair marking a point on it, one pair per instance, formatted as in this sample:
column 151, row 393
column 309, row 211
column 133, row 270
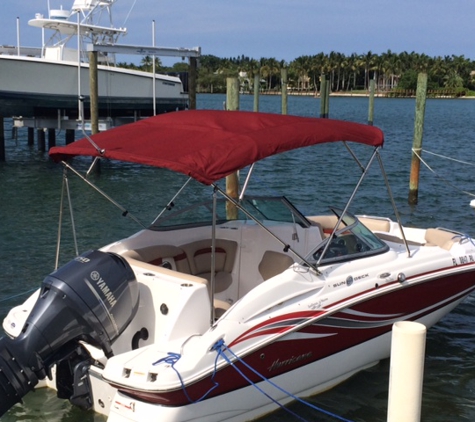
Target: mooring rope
column 18, row 294
column 220, row 348
column 464, row 238
column 438, row 175
column 173, row 358
column 448, row 158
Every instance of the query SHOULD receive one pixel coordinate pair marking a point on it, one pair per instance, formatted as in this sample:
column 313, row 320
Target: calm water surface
column 29, row 204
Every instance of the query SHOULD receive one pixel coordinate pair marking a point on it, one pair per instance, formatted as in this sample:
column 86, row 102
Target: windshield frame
column 349, row 240
column 263, row 208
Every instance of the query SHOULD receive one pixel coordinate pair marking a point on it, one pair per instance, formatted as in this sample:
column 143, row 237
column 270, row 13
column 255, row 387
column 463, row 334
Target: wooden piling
column 232, row 94
column 2, row 139
column 40, row 133
column 51, row 138
column 192, row 78
column 70, row 136
column 93, row 92
column 31, row 136
column 94, row 98
column 371, row 102
column 232, row 181
column 283, row 87
column 327, row 99
column 323, row 95
column 257, row 83
column 417, row 142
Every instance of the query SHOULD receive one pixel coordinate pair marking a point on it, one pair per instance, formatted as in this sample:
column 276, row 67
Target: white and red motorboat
column 221, row 310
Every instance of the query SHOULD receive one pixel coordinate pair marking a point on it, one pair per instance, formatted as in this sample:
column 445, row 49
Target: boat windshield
column 275, row 209
column 351, row 240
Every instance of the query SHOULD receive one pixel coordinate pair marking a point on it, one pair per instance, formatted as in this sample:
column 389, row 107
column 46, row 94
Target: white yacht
column 41, row 81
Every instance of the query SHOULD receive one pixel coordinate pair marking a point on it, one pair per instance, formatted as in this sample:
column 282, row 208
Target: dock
column 46, row 114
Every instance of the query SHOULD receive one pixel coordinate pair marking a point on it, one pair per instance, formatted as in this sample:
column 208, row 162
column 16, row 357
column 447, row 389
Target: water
column 30, row 200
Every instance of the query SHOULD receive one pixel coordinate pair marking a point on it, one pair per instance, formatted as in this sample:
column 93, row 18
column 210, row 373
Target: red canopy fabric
column 209, row 145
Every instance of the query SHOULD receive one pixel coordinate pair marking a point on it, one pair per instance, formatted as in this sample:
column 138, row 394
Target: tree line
column 345, row 73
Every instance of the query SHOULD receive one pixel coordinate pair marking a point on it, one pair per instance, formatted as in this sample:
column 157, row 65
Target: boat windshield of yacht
column 350, row 240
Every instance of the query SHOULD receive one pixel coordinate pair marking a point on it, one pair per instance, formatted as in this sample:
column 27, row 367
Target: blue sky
column 283, row 29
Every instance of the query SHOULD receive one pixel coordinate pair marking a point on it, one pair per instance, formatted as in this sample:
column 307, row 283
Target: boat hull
column 37, row 87
column 307, row 361
column 248, row 403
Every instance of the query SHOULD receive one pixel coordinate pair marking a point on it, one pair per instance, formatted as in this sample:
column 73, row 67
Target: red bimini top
column 208, row 145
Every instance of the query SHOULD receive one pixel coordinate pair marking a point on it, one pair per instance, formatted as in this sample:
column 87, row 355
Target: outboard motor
column 92, row 298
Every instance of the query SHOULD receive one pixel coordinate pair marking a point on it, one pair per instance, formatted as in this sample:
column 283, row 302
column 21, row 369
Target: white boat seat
column 133, row 258
column 395, row 239
column 376, row 224
column 222, row 280
column 327, row 223
column 166, row 256
column 146, row 267
column 220, row 307
column 199, row 258
column 442, row 238
column 274, row 263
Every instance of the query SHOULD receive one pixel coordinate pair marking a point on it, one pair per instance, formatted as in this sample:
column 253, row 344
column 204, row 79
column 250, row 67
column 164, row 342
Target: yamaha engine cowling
column 92, row 298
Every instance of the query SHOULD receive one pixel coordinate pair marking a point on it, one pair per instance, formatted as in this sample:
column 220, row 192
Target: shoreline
column 357, row 95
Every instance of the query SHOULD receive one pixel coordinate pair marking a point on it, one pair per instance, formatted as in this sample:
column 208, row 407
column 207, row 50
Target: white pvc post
column 406, row 371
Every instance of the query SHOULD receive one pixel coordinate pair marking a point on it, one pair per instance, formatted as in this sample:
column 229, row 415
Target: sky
column 282, row 29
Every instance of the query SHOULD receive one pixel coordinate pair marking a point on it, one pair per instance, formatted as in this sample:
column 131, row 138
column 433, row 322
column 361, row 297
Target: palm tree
column 345, row 72
column 388, row 67
column 352, row 68
column 301, row 68
column 317, row 68
column 269, row 68
column 146, row 63
column 368, row 60
column 439, row 69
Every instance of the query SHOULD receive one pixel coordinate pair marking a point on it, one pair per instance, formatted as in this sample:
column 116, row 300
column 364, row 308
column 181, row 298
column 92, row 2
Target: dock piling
column 192, row 77
column 31, row 136
column 94, row 92
column 324, row 97
column 40, row 133
column 257, row 82
column 283, row 87
column 69, row 136
column 327, row 99
column 323, row 94
column 2, row 139
column 51, row 138
column 232, row 181
column 417, row 142
column 371, row 102
column 406, row 371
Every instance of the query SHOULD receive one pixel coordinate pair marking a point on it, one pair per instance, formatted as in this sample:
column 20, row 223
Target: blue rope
column 173, row 358
column 464, row 237
column 220, row 346
column 17, row 295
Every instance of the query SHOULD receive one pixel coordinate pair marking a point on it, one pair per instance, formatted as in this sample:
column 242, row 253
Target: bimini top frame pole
column 125, row 212
column 365, row 169
column 393, row 203
column 350, row 200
